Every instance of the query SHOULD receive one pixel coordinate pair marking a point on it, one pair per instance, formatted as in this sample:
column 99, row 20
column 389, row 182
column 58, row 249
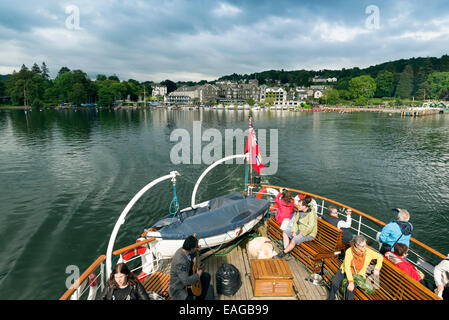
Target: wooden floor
column 302, row 288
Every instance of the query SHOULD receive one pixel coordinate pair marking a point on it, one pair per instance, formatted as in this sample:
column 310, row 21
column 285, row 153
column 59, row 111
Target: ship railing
column 420, row 255
column 93, row 280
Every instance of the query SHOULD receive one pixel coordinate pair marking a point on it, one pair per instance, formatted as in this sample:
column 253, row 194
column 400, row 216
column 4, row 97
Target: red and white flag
column 253, row 147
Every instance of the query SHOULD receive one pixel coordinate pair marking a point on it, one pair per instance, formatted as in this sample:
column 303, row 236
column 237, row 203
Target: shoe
column 281, row 255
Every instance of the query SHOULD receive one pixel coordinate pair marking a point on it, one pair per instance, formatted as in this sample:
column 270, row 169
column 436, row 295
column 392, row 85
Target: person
column 357, row 259
column 285, row 203
column 332, row 218
column 123, row 285
column 303, row 228
column 441, row 277
column 309, row 200
column 398, row 259
column 397, row 231
column 181, row 278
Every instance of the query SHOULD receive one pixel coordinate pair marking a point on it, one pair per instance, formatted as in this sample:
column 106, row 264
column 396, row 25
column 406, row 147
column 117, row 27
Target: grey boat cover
column 223, row 214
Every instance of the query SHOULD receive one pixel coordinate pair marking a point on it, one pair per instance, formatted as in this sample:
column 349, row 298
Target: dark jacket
column 137, row 293
column 179, row 276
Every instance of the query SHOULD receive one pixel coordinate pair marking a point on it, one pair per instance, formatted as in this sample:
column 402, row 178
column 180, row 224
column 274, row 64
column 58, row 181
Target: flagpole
column 250, row 162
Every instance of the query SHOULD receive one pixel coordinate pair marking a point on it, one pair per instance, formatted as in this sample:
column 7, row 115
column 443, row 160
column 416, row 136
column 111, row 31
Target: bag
column 361, row 282
column 228, row 279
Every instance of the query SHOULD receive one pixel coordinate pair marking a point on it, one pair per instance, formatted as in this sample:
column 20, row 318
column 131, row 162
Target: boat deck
column 303, row 289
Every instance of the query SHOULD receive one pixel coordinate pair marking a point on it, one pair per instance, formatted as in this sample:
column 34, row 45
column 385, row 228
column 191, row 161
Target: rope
column 212, row 183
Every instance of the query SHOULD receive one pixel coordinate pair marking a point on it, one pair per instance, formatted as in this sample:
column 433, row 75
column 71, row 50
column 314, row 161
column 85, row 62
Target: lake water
column 65, row 177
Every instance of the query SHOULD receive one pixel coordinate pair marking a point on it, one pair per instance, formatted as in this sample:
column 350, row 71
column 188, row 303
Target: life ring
column 270, row 191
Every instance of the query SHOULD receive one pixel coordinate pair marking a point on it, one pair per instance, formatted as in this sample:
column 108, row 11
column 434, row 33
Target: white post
column 209, row 169
column 121, row 219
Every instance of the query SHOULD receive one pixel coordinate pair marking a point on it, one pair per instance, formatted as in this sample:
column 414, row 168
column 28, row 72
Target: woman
column 357, row 259
column 285, row 203
column 123, row 285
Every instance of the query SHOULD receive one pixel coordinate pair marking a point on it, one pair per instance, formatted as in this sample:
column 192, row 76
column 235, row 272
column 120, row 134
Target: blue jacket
column 392, row 231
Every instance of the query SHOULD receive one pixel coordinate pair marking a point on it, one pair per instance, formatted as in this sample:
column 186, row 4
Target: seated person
column 181, row 277
column 398, row 259
column 357, row 259
column 332, row 218
column 303, row 227
column 285, row 203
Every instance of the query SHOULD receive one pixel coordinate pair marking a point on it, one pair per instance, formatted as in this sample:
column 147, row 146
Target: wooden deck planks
column 303, row 289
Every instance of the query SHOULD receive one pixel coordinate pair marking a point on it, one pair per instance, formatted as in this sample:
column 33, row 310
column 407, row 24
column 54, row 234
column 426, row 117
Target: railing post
column 360, row 225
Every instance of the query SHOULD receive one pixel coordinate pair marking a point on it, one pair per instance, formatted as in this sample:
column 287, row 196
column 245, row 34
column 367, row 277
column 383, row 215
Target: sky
column 195, row 40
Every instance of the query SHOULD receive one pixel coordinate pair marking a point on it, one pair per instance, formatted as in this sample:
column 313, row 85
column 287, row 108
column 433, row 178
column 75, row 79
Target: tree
column 105, row 96
column 332, row 96
column 63, row 70
column 362, row 87
column 101, row 77
column 171, row 86
column 438, row 82
column 444, row 63
column 77, row 94
column 45, row 72
column 36, row 69
column 384, row 84
column 405, row 84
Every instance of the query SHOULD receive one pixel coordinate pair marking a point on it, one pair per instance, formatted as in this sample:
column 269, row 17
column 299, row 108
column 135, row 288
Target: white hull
column 166, row 248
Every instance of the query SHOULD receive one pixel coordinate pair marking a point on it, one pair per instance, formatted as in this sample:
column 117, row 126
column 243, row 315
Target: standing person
column 123, row 285
column 397, row 231
column 180, row 273
column 285, row 203
column 441, row 276
column 332, row 218
column 303, row 228
column 357, row 259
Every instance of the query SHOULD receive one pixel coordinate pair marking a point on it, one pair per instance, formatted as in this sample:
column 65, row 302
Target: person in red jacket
column 398, row 259
column 285, row 203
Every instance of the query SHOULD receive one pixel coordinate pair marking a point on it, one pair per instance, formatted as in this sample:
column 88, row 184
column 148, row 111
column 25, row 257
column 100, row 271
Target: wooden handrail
column 419, row 243
column 82, row 278
column 133, row 246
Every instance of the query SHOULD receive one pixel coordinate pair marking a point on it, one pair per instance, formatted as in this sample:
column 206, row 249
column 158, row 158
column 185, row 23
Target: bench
column 327, row 243
column 394, row 283
column 158, row 282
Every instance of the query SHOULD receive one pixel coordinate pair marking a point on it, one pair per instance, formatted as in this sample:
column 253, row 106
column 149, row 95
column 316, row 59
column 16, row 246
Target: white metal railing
column 361, row 225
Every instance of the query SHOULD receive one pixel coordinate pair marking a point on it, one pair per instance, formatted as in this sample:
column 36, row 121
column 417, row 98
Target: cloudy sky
column 205, row 39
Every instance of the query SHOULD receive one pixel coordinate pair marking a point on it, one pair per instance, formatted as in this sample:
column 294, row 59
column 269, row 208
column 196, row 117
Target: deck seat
column 327, row 244
column 158, row 282
column 394, row 283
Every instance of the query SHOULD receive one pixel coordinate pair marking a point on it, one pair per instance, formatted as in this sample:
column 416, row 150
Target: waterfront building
column 159, row 90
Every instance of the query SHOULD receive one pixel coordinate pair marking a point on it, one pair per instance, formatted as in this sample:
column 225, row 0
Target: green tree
column 105, row 96
column 332, row 96
column 384, row 84
column 405, row 84
column 250, row 101
column 362, row 87
column 77, row 94
column 444, row 63
column 45, row 71
column 438, row 82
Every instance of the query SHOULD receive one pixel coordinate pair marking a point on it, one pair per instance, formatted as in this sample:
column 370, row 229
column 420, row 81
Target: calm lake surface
column 65, row 177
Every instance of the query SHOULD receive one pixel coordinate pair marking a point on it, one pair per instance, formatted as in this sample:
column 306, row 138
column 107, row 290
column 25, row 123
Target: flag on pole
column 252, row 147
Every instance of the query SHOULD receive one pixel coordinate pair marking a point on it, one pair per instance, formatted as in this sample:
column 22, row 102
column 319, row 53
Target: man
column 332, row 218
column 303, row 228
column 397, row 231
column 180, row 278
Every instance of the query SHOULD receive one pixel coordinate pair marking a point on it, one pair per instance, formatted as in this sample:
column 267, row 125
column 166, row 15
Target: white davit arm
column 195, row 189
column 121, row 219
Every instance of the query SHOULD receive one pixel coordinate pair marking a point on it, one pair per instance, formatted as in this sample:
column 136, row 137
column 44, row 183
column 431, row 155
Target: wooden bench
column 394, row 283
column 327, row 243
column 158, row 282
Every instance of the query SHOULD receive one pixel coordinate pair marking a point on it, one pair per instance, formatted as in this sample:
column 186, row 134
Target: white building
column 159, row 90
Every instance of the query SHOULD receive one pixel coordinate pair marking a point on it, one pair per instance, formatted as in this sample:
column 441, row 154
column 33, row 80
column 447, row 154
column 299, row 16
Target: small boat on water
column 224, row 222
